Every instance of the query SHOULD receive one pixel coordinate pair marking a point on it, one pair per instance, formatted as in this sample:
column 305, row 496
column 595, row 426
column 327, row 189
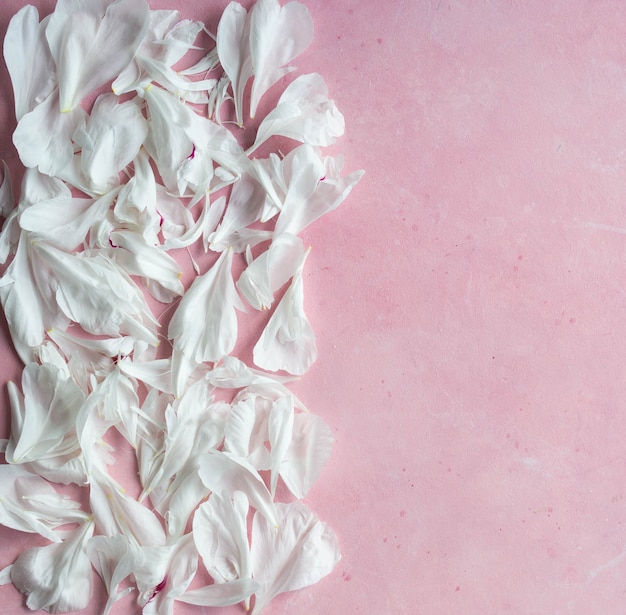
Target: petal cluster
column 137, row 159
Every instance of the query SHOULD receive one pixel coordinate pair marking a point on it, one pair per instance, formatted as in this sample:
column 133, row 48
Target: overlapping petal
column 110, row 139
column 204, row 327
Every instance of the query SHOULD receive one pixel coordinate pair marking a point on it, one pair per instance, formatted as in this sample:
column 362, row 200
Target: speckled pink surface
column 469, row 304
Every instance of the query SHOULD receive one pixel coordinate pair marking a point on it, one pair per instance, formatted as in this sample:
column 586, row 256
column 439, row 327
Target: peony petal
column 161, row 273
column 28, row 59
column 204, row 327
column 269, row 271
column 25, row 310
column 277, row 35
column 110, row 139
column 220, row 533
column 303, row 113
column 181, row 569
column 233, row 33
column 308, row 451
column 114, row 559
column 56, row 577
column 43, row 420
column 29, row 503
column 245, row 207
column 92, row 291
column 116, row 512
column 222, row 471
column 298, row 553
column 43, row 137
column 64, row 222
column 288, row 341
column 330, row 192
column 221, row 594
column 91, row 44
column 280, row 428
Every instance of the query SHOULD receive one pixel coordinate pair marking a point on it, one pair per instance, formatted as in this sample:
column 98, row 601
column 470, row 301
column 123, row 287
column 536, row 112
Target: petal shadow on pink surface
column 468, row 301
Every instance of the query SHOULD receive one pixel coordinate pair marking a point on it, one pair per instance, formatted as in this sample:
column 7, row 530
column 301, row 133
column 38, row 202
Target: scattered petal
column 91, row 44
column 288, row 341
column 299, row 552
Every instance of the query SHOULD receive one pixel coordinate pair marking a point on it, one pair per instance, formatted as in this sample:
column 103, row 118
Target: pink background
column 469, row 304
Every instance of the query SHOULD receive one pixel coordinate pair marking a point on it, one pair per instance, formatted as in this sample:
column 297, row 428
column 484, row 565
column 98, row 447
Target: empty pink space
column 469, row 304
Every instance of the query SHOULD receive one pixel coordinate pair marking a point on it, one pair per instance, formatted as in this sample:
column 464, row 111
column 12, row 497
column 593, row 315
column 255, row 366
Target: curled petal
column 269, row 271
column 303, row 113
column 233, row 50
column 288, row 341
column 221, row 471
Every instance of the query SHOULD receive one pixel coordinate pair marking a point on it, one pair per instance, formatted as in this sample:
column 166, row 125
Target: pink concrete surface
column 469, row 305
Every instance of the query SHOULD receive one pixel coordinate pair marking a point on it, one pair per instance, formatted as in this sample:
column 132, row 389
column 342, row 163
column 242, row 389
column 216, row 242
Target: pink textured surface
column 469, row 305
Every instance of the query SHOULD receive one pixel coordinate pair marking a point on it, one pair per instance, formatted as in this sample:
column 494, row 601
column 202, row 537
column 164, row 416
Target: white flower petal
column 184, row 494
column 29, row 503
column 288, row 341
column 114, row 559
column 277, row 35
column 220, row 532
column 181, row 569
column 303, row 113
column 56, row 577
column 330, row 192
column 233, row 50
column 245, row 206
column 280, row 428
column 43, row 137
column 28, row 60
column 204, row 327
column 43, row 419
column 156, row 374
column 168, row 142
column 138, row 204
column 308, row 451
column 116, row 512
column 91, row 44
column 87, row 357
column 93, row 292
column 269, row 271
column 222, row 471
column 161, row 273
column 37, row 187
column 110, row 139
column 299, row 552
column 64, row 222
column 25, row 310
column 240, row 429
column 165, row 43
column 221, row 594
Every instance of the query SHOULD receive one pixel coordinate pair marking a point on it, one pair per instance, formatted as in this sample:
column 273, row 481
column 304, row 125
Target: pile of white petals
column 156, row 165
